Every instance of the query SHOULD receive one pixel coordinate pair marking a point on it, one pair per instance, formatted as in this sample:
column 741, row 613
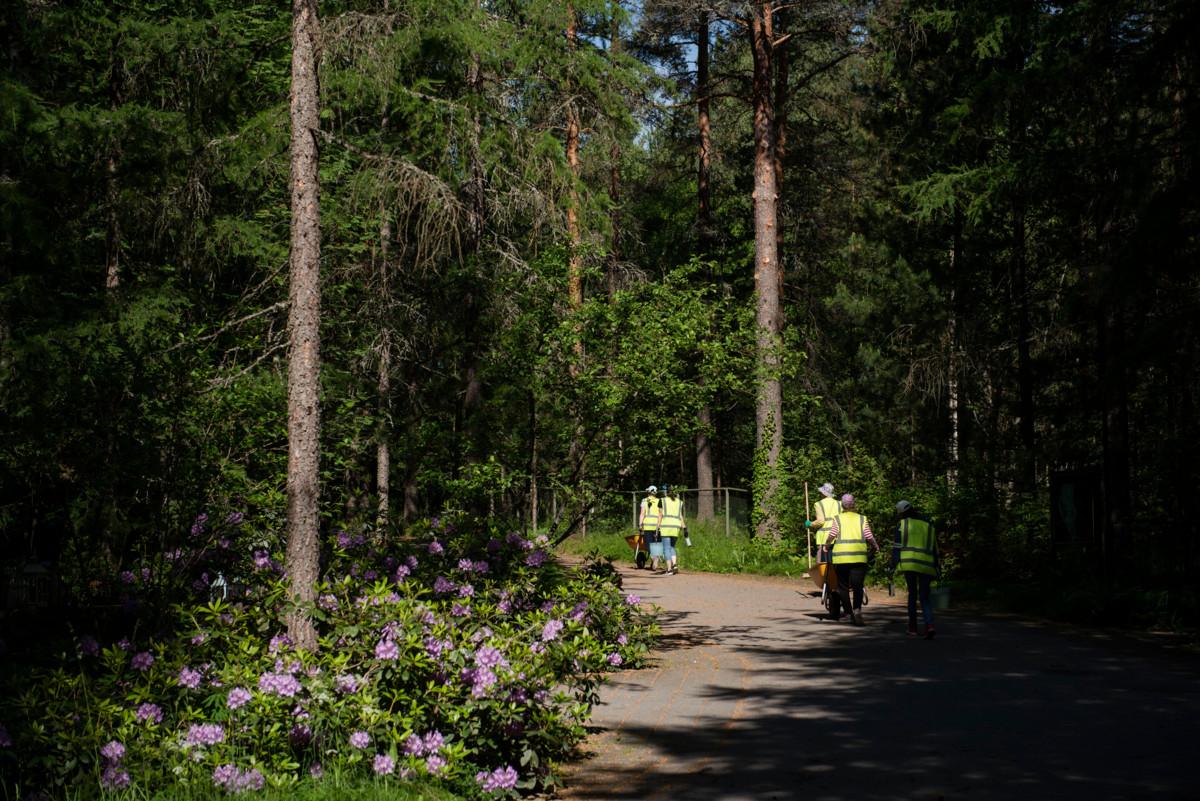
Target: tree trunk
column 575, row 260
column 1027, row 467
column 304, row 359
column 614, row 169
column 769, row 401
column 952, row 335
column 704, row 225
column 704, row 161
column 112, row 234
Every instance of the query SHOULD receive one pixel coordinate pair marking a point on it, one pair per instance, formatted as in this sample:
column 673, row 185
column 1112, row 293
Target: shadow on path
column 755, row 696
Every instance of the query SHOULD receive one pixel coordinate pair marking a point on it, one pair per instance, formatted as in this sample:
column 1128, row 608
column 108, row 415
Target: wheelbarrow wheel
column 640, row 559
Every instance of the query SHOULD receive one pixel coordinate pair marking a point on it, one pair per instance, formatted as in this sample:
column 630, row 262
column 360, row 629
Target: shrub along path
column 754, row 696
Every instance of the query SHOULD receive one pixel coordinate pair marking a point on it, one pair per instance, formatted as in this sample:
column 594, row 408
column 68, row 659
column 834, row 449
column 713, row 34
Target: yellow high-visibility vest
column 851, row 545
column 829, row 509
column 648, row 519
column 672, row 519
column 918, row 545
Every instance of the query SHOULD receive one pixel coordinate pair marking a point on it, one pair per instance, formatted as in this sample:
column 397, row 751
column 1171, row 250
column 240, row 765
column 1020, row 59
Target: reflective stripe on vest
column 916, row 547
column 829, row 508
column 649, row 516
column 672, row 519
column 851, row 546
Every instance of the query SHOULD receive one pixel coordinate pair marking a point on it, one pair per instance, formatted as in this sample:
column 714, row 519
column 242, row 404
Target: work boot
column 912, row 629
column 929, row 632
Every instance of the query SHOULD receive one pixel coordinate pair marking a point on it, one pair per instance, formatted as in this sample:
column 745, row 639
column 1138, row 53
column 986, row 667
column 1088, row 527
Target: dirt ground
column 754, row 695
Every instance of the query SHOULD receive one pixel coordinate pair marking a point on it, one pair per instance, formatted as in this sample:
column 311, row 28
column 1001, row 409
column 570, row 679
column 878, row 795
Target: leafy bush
column 465, row 657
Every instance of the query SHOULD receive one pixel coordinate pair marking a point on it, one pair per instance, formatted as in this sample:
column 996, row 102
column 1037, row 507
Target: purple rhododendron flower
column 88, row 645
column 403, row 572
column 5, row 737
column 199, row 523
column 114, row 778
column 262, row 559
column 204, row 734
column 300, row 734
column 234, row 518
column 282, row 684
column 127, row 577
column 328, row 602
column 504, row 778
column 189, row 678
column 460, row 610
column 578, row 612
column 124, row 643
column 436, row 547
column 200, row 639
column 442, row 585
column 465, row 565
column 279, row 642
column 435, row 763
column 537, row 648
column 551, row 630
column 384, row 765
column 346, row 684
column 432, row 742
column 466, row 591
column 484, row 680
column 316, row 770
column 142, row 661
column 536, row 559
column 149, row 713
column 387, row 649
column 615, row 659
column 622, row 639
column 113, row 751
column 489, row 657
column 632, row 600
column 360, row 739
column 238, row 697
column 343, row 540
column 414, row 745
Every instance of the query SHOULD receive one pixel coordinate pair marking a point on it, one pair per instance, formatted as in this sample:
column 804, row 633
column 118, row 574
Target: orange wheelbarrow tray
column 641, row 550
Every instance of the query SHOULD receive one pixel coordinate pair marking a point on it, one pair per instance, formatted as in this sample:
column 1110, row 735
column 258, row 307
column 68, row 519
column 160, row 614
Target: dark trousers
column 850, row 580
column 918, row 587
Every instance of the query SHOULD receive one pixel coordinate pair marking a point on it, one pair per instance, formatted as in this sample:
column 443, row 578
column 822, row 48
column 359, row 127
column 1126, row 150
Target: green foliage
column 468, row 655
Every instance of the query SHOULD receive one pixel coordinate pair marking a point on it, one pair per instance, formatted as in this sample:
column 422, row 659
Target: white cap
column 651, row 488
column 826, row 489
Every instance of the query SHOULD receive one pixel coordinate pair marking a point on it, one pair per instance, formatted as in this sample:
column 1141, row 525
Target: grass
column 712, row 550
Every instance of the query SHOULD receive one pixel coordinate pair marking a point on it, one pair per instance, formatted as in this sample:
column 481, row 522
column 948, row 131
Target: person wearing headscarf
column 850, row 536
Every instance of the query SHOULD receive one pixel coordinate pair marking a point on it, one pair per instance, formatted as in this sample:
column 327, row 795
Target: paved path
column 753, row 696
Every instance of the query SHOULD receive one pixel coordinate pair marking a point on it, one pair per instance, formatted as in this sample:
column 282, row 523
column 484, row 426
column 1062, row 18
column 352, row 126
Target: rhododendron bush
column 465, row 656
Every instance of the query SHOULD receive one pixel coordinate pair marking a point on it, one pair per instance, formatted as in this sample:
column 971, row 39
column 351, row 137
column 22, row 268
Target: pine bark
column 304, row 358
column 704, row 225
column 768, row 318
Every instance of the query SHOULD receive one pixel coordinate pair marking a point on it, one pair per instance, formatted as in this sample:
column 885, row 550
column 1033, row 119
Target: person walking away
column 672, row 526
column 649, row 518
column 850, row 535
column 824, row 510
column 915, row 554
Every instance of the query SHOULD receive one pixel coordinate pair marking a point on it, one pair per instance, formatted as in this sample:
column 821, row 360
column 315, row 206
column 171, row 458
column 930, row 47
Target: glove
column 808, row 524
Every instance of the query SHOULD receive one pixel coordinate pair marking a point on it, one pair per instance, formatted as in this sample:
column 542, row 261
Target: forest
column 340, row 270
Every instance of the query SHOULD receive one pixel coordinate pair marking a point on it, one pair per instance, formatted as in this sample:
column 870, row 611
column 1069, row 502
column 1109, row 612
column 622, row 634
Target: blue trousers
column 918, row 588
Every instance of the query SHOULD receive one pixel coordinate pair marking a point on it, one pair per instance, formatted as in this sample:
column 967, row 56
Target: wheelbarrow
column 641, row 551
column 825, row 577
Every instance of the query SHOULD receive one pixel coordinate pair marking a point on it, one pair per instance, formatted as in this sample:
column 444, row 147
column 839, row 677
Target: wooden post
column 807, row 529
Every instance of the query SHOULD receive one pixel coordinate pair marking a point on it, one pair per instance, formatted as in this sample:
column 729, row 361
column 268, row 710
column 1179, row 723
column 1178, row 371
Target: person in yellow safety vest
column 850, row 535
column 649, row 518
column 915, row 554
column 824, row 511
column 672, row 526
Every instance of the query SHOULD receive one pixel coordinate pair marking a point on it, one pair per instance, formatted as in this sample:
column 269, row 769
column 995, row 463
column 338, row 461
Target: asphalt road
column 754, row 695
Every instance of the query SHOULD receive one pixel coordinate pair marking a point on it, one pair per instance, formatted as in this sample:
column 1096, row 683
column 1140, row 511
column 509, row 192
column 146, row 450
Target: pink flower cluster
column 419, row 746
column 551, row 630
column 360, row 739
column 387, row 650
column 114, row 776
column 235, row 780
column 504, row 778
column 384, row 765
column 282, row 684
column 142, row 661
column 204, row 734
column 149, row 713
column 189, row 678
column 238, row 697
